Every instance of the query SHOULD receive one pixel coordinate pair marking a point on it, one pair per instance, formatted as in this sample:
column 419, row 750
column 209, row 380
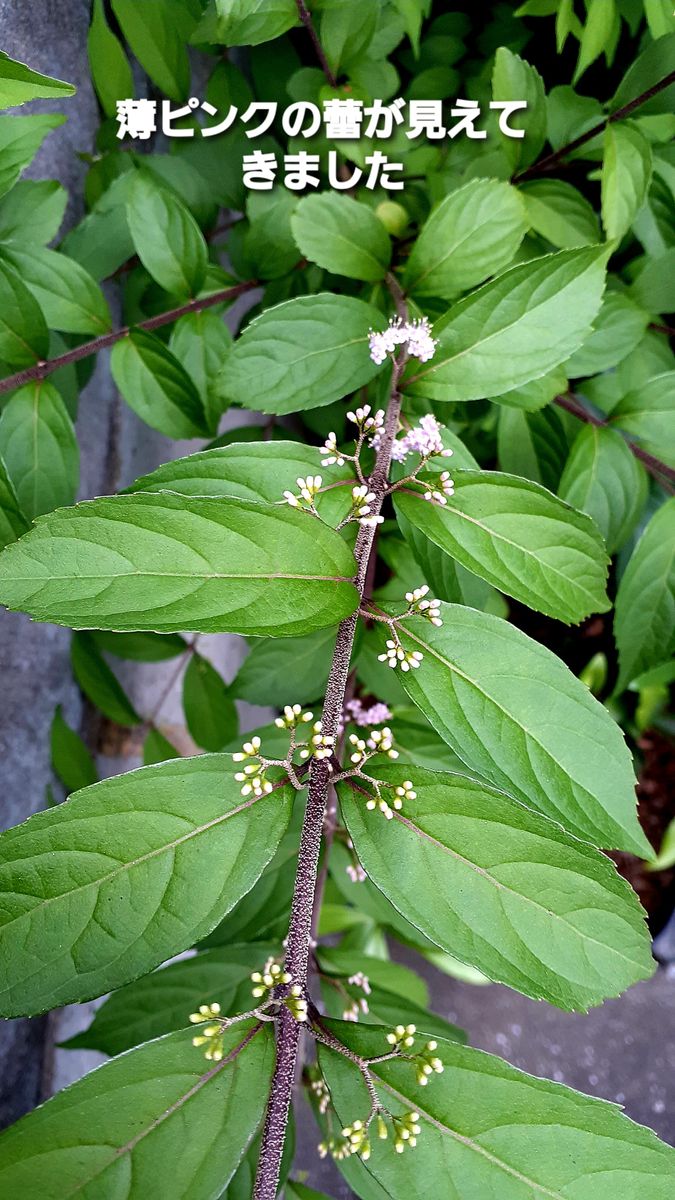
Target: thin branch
column 321, row 771
column 663, row 474
column 40, row 370
column 306, row 19
column 550, row 161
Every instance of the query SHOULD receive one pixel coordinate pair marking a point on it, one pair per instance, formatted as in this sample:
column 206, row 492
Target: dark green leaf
column 12, row 521
column 134, row 870
column 39, row 448
column 604, row 479
column 157, row 748
column 502, row 888
column 142, row 647
column 472, row 234
column 294, row 669
column 495, row 1131
column 71, row 759
column 210, row 712
column 145, row 1119
column 626, row 171
column 167, row 564
column 157, row 34
column 99, row 683
column 515, row 79
column 110, row 70
column 520, row 538
column 514, row 329
column 302, row 354
column 32, row 211
column 560, row 213
column 68, row 296
column 644, row 625
column 24, row 338
column 513, row 712
column 200, row 341
column 20, row 140
column 648, row 415
column 156, row 386
column 342, row 235
column 247, row 22
column 166, row 236
column 651, row 67
column 618, row 328
column 19, row 83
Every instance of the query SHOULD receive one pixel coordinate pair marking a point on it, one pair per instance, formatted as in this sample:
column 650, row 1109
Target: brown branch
column 550, row 161
column 305, row 17
column 44, row 367
column 662, row 473
column 302, row 909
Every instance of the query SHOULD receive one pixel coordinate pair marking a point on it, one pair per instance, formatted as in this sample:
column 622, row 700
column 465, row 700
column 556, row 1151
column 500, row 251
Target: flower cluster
column 366, row 421
column 376, row 714
column 379, row 741
column 424, row 439
column 293, row 716
column 212, row 1035
column 414, row 335
column 321, row 745
column 406, row 1131
column 356, row 873
column 253, row 776
column 271, row 976
column 361, row 510
column 420, row 606
column 440, row 489
column 309, row 488
column 356, row 1007
column 396, row 656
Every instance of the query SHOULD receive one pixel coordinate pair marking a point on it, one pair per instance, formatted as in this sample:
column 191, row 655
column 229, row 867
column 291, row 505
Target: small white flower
column 396, row 656
column 356, row 873
column 415, row 335
column 330, row 448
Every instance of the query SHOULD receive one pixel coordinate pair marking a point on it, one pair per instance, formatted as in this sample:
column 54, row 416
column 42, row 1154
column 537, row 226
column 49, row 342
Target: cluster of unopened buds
column 378, row 741
column 367, row 421
column 273, row 976
column 418, row 605
column 309, row 489
column 426, row 1061
column 318, row 1087
column 414, row 335
column 406, row 1131
column 356, row 873
column 212, row 1035
column 355, row 1138
column 402, row 1037
column 361, row 510
column 265, row 981
column 356, row 1007
column 395, row 656
column 293, row 716
column 253, row 775
column 321, row 745
column 442, row 487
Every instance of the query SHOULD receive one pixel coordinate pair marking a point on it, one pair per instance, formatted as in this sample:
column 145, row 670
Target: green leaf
column 156, row 386
column 597, row 34
column 560, row 213
column 618, row 328
column 101, row 242
column 12, row 521
column 157, row 34
column 382, row 972
column 298, row 1191
column 98, row 682
column 142, row 647
column 157, row 749
column 666, row 855
column 250, row 470
column 110, row 70
column 166, row 236
column 626, row 172
column 264, row 675
column 210, row 712
column 39, row 448
column 68, row 296
column 536, row 394
column 515, row 79
column 71, row 759
column 249, row 22
column 644, row 623
column 24, row 337
column 269, row 249
column 651, row 67
column 160, row 1002
column 533, row 444
column 143, row 1121
column 342, row 235
column 514, row 713
column 302, row 354
column 514, row 329
column 346, row 29
column 495, row 1131
column 19, row 83
column 20, row 140
column 654, row 285
column 604, row 479
column 32, row 211
column 168, row 564
column 502, row 888
column 521, row 539
column 647, row 415
column 134, row 870
column 201, row 341
column 473, row 233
